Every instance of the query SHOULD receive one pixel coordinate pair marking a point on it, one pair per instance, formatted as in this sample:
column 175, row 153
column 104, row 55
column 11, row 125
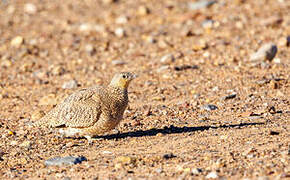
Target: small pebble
column 85, row 27
column 17, row 41
column 57, row 70
column 149, row 39
column 209, row 107
column 212, row 175
column 266, row 52
column 118, row 62
column 169, row 156
column 125, row 160
column 167, row 59
column 185, row 67
column 120, row 32
column 142, row 10
column 274, row 133
column 70, row 84
column 207, row 24
column 231, row 96
column 60, row 161
column 30, row 8
column 277, row 60
column 201, row 4
column 90, row 49
column 196, row 171
column 121, row 20
column 107, row 152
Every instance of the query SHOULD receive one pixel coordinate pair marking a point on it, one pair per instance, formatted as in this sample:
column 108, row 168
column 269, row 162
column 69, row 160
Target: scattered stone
column 70, row 84
column 142, row 11
column 196, row 171
column 169, row 156
column 207, row 24
column 201, row 45
column 209, row 107
column 266, row 52
column 120, row 32
column 282, row 41
column 201, row 4
column 121, row 20
column 150, row 39
column 186, row 32
column 125, row 160
column 167, row 59
column 118, row 62
column 274, row 133
column 57, row 70
column 185, row 67
column 90, row 49
column 212, row 175
column 107, row 152
column 231, row 96
column 17, row 41
column 158, row 98
column 30, row 8
column 85, row 27
column 60, row 161
column 162, row 68
column 277, row 60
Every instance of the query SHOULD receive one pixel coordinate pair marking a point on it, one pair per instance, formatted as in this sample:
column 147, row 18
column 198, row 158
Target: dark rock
column 185, row 67
column 169, row 156
column 231, row 96
column 274, row 133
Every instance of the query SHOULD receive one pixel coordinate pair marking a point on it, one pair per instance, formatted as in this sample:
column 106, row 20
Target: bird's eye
column 124, row 76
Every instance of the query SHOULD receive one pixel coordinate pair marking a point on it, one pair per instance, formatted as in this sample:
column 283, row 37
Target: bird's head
column 122, row 79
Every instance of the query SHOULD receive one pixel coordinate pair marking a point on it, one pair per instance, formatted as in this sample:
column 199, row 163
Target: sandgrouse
column 92, row 111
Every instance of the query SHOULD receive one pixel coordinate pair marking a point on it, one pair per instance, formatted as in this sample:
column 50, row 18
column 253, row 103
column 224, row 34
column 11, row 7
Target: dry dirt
column 186, row 58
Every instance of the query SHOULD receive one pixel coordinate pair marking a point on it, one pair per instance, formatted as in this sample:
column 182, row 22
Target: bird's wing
column 80, row 109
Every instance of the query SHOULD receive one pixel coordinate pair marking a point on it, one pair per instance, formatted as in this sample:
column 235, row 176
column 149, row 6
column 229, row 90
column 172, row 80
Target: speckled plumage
column 92, row 111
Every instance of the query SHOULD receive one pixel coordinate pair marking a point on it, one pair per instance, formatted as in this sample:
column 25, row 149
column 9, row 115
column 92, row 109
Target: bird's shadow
column 173, row 130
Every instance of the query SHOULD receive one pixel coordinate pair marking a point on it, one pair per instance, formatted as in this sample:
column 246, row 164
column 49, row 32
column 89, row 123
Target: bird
column 92, row 111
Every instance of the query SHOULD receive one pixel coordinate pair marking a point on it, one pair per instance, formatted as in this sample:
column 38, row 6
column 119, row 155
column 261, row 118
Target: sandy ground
column 187, row 58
